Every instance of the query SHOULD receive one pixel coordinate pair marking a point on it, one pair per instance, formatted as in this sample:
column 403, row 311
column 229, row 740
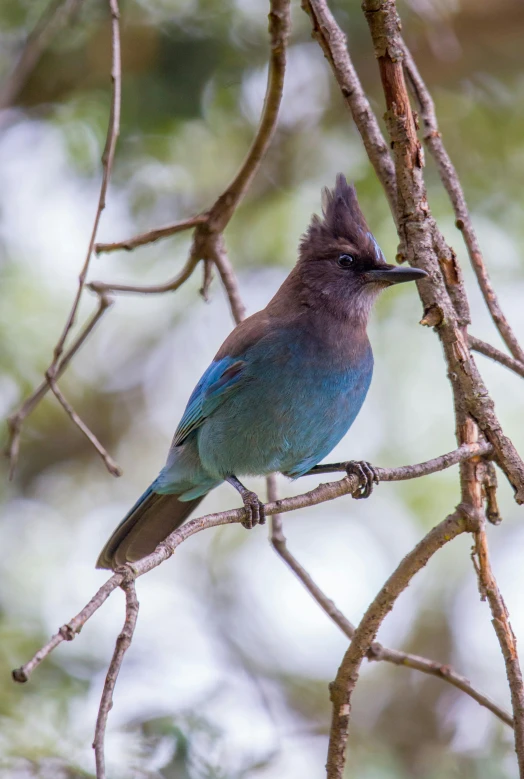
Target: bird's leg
column 255, row 510
column 365, row 472
column 366, row 475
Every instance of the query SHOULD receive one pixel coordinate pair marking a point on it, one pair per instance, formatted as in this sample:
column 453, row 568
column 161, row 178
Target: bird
column 283, row 389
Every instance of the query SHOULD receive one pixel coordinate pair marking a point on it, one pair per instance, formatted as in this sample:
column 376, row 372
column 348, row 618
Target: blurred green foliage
column 228, row 673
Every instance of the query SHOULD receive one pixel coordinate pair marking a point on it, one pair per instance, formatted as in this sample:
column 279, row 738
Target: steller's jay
column 284, row 387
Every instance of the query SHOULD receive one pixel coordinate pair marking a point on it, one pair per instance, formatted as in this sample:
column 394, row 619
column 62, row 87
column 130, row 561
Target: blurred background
column 228, row 672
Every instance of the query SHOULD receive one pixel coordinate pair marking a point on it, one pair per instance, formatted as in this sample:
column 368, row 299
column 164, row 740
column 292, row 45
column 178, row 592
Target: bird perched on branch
column 284, row 387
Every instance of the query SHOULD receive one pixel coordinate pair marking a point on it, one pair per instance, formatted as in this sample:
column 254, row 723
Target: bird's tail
column 153, row 517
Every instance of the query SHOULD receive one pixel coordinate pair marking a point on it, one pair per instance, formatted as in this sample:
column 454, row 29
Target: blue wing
column 221, row 378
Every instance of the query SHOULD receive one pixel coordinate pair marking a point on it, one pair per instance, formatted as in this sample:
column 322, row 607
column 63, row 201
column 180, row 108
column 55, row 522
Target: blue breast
column 295, row 405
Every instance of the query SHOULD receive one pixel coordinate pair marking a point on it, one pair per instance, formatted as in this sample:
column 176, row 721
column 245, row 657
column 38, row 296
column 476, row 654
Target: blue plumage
column 288, row 410
column 285, row 386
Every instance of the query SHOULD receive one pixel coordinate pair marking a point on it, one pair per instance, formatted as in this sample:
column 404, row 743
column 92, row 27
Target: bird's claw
column 255, row 510
column 366, row 475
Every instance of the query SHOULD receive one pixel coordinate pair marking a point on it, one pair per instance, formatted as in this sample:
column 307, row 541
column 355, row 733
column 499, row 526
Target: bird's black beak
column 395, row 274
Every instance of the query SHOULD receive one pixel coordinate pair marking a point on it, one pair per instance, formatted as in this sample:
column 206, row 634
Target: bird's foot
column 366, row 475
column 254, row 508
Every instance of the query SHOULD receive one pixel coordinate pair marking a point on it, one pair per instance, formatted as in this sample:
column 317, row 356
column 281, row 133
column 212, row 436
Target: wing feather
column 221, row 378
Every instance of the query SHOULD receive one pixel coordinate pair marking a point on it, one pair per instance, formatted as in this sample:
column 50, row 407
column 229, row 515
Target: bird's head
column 340, row 260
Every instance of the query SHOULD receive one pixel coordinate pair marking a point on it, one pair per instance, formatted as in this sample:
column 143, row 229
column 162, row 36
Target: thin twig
column 450, row 180
column 219, row 215
column 108, row 156
column 440, row 671
column 376, row 651
column 322, row 493
column 123, row 643
column 464, row 452
column 169, row 286
column 207, row 280
column 495, row 354
column 70, row 630
column 508, row 645
column 110, row 464
column 279, row 27
column 54, row 18
column 107, row 165
column 16, row 420
column 208, row 242
column 229, row 279
column 151, row 235
column 362, row 641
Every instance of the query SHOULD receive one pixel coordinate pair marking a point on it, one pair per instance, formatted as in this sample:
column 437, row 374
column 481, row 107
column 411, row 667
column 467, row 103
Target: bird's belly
column 286, row 422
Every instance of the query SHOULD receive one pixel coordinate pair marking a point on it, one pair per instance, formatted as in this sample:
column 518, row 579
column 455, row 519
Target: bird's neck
column 329, row 325
column 296, row 297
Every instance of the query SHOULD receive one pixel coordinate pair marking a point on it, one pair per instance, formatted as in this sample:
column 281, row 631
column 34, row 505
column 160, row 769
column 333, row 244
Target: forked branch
column 208, row 244
column 216, row 218
column 364, row 636
column 58, row 364
column 376, row 651
column 16, row 420
column 324, row 492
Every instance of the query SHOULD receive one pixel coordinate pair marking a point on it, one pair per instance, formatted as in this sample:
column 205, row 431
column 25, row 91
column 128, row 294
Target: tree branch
column 107, row 165
column 450, row 180
column 440, row 671
column 416, row 226
column 464, row 452
column 123, row 643
column 208, row 244
column 70, row 630
column 376, row 650
column 16, row 420
column 279, row 27
column 332, row 40
column 495, row 354
column 321, row 494
column 216, row 218
column 364, row 635
column 152, row 235
column 473, row 406
column 110, row 464
column 229, row 279
column 418, row 233
column 101, row 287
column 508, row 645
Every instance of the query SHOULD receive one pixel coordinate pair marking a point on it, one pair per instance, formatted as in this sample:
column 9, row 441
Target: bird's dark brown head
column 340, row 259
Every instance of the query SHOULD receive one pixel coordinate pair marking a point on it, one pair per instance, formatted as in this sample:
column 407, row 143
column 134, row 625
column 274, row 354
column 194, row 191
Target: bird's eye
column 345, row 260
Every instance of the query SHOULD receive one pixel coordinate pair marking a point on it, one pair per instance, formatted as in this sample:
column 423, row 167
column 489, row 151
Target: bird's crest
column 342, row 221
